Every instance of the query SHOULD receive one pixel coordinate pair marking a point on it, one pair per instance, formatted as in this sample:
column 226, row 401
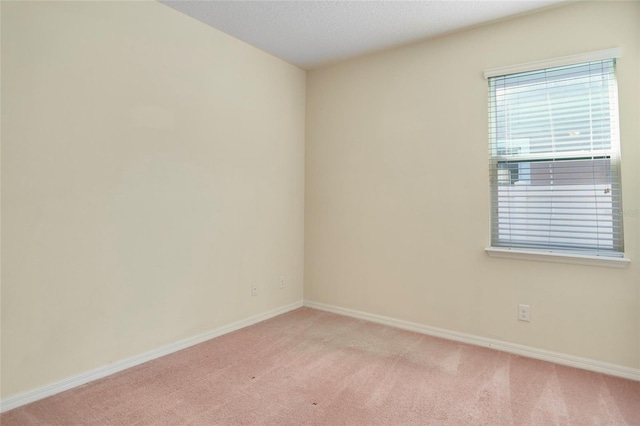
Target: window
column 554, row 160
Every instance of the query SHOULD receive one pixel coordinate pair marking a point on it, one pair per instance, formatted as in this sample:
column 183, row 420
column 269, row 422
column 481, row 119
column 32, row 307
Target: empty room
column 320, row 212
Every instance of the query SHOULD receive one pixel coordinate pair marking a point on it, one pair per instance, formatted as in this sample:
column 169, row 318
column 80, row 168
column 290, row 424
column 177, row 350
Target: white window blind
column 554, row 160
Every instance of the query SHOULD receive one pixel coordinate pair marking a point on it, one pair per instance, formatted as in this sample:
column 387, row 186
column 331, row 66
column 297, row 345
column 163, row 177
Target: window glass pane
column 558, row 110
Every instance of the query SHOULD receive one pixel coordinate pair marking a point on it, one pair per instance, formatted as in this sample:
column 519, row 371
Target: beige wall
column 152, row 169
column 397, row 193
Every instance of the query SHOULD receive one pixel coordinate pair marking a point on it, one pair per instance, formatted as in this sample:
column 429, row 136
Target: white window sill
column 540, row 256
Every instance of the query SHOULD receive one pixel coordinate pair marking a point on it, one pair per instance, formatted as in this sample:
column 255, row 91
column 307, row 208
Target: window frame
column 550, row 254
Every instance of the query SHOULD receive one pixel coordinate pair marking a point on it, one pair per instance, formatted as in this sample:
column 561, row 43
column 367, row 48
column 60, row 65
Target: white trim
column 541, row 256
column 106, row 370
column 513, row 348
column 556, row 62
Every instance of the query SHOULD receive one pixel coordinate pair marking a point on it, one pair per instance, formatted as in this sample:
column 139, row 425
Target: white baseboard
column 106, row 370
column 526, row 351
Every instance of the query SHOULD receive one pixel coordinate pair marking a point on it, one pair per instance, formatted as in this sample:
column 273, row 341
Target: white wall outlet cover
column 523, row 312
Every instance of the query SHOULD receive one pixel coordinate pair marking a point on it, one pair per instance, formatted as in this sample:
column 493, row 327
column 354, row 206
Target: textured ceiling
column 312, row 33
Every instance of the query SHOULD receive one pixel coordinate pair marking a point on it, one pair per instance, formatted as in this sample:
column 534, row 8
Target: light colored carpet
column 316, row 368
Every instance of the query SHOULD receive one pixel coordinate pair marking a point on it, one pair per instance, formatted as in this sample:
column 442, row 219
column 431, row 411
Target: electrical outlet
column 523, row 312
column 254, row 289
column 282, row 282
